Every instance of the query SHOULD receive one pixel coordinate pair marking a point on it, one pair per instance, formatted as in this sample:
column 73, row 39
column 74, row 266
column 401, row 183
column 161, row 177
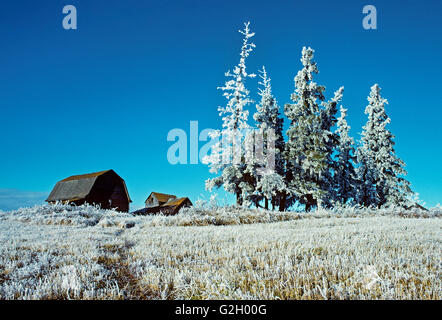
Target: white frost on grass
column 87, row 215
column 62, row 252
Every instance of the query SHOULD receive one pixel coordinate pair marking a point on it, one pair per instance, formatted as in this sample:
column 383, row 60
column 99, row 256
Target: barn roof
column 163, row 197
column 86, row 176
column 175, row 202
column 78, row 187
column 170, row 207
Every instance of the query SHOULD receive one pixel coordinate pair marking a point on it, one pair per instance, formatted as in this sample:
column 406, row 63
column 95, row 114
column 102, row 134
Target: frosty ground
column 62, row 252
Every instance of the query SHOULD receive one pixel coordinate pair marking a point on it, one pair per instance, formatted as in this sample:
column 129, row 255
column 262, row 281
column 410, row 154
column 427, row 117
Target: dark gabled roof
column 163, row 197
column 86, row 176
column 170, row 207
column 176, row 202
column 78, row 187
column 71, row 190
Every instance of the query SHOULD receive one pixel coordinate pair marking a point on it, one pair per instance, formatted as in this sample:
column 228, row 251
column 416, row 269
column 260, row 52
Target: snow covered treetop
column 307, row 59
column 246, row 47
column 266, row 89
column 376, row 102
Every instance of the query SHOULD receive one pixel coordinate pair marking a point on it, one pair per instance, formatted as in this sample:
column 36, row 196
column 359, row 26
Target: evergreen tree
column 331, row 141
column 381, row 171
column 227, row 155
column 305, row 149
column 345, row 179
column 270, row 184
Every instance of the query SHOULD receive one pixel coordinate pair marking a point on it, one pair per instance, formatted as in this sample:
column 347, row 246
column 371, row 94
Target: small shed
column 156, row 199
column 163, row 203
column 173, row 206
column 105, row 188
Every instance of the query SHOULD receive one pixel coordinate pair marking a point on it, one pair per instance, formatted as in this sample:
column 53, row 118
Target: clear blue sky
column 106, row 95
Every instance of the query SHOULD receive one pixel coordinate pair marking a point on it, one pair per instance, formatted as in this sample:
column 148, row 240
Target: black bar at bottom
column 215, row 309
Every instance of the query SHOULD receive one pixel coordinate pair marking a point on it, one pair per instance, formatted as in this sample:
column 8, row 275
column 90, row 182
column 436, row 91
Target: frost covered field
column 63, row 252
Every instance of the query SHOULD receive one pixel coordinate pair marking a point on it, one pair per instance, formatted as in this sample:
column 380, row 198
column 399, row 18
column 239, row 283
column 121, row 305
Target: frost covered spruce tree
column 381, row 171
column 345, row 177
column 268, row 166
column 227, row 156
column 305, row 150
column 331, row 142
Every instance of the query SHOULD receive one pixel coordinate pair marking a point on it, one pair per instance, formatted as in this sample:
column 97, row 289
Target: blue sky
column 105, row 96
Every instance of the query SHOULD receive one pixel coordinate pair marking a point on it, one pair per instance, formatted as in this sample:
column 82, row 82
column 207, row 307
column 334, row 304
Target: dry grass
column 323, row 255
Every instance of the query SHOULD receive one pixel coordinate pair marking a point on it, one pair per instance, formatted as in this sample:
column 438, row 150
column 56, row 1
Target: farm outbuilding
column 156, row 199
column 173, row 206
column 167, row 204
column 104, row 188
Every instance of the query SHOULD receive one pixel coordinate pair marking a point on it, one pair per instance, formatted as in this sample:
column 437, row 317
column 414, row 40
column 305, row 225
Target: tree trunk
column 266, row 203
column 310, row 203
column 238, row 199
column 282, row 202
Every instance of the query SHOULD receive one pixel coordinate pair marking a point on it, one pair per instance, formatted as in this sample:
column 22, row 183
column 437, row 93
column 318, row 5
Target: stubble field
column 224, row 253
